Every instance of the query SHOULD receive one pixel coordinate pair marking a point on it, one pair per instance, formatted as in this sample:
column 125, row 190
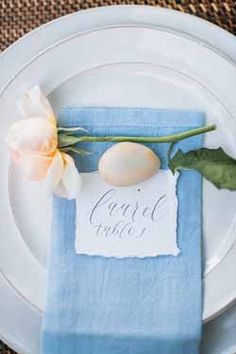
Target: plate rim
column 77, row 35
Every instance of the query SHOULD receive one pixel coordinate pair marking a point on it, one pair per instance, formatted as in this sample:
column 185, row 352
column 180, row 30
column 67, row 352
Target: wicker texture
column 5, row 350
column 18, row 17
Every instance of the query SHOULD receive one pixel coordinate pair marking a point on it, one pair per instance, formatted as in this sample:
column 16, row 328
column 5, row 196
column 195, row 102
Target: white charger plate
column 117, row 56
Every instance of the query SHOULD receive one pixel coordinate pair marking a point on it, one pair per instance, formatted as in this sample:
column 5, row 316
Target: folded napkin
column 99, row 305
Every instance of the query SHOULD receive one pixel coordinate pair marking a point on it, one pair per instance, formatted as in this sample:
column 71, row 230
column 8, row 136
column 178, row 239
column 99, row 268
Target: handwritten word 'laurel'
column 125, row 217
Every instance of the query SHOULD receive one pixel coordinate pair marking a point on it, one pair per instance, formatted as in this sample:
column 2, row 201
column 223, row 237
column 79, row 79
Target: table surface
column 18, row 17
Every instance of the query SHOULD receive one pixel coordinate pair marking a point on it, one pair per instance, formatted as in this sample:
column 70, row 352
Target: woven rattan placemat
column 18, row 17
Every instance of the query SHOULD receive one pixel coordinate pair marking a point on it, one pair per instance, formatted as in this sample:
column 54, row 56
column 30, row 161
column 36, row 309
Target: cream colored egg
column 128, row 163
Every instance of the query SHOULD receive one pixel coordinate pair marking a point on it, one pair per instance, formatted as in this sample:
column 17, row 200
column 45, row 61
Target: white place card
column 135, row 221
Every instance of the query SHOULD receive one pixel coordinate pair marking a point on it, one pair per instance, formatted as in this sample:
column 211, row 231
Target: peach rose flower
column 33, row 147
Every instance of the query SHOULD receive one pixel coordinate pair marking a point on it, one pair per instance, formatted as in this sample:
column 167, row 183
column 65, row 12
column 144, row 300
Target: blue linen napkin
column 99, row 305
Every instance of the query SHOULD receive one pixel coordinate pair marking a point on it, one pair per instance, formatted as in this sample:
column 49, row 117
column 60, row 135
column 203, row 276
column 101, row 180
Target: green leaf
column 67, row 140
column 79, row 151
column 76, row 150
column 71, row 129
column 214, row 164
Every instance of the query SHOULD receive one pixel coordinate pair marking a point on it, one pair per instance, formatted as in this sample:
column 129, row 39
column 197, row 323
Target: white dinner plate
column 117, row 56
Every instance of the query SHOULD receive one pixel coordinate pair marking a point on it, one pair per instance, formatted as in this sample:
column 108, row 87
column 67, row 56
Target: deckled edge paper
column 134, row 221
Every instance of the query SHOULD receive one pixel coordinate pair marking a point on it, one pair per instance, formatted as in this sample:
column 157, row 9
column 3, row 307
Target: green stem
column 173, row 138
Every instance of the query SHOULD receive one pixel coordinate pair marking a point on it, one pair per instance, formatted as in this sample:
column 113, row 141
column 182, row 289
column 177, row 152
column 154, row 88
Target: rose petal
column 33, row 167
column 54, row 173
column 33, row 135
column 35, row 104
column 15, row 155
column 70, row 184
